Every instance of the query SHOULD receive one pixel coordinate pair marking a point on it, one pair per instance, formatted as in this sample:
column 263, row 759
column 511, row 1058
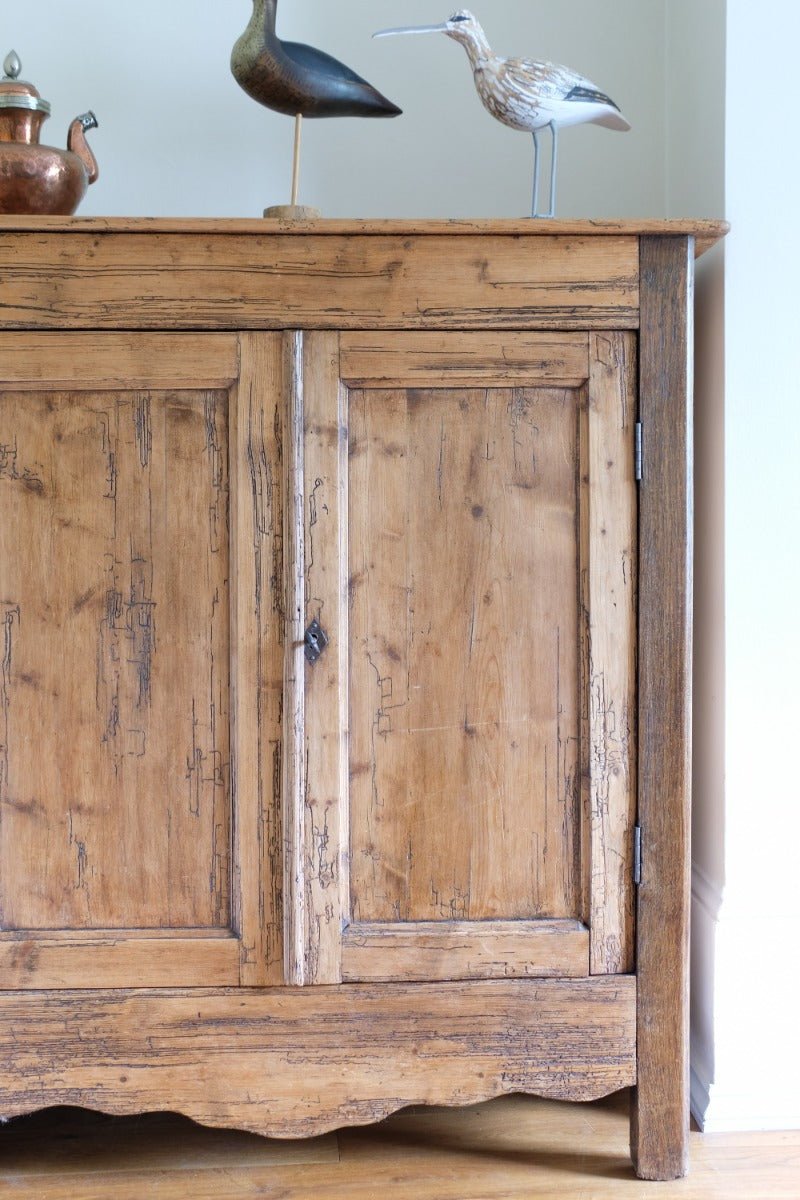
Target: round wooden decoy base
column 292, row 212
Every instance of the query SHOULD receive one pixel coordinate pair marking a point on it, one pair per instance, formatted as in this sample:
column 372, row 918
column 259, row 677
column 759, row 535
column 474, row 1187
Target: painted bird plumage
column 296, row 79
column 525, row 94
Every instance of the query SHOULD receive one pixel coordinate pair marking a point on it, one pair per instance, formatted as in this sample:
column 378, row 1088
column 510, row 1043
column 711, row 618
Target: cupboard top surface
column 706, row 232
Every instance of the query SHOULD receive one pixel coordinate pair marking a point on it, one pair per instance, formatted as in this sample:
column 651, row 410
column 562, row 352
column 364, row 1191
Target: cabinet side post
column 660, row 1114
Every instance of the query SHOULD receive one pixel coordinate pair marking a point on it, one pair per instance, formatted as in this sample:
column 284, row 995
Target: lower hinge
column 637, row 452
column 637, row 854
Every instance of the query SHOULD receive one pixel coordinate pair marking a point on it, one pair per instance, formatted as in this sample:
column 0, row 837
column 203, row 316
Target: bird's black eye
column 459, row 17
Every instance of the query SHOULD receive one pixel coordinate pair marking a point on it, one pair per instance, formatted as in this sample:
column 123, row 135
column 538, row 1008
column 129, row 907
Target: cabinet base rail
column 302, row 1061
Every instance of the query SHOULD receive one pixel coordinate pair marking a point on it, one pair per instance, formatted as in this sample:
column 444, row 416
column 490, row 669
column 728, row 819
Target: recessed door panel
column 114, row 578
column 464, row 717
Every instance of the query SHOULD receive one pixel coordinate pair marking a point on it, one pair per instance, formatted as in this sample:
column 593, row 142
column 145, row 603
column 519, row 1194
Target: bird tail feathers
column 613, row 120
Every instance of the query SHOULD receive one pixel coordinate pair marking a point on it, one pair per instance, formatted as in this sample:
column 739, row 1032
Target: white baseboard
column 699, row 1098
column 706, row 891
column 717, row 1110
column 733, row 1112
column 745, row 1056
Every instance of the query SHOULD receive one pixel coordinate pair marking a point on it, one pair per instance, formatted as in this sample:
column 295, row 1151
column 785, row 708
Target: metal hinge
column 637, row 854
column 637, row 451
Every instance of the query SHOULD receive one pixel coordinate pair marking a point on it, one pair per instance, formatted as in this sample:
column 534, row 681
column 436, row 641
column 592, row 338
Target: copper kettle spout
column 77, row 143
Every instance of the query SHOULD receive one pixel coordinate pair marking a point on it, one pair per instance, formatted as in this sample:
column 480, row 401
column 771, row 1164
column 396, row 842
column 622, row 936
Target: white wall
column 177, row 137
column 726, row 155
column 757, row 1072
column 695, row 147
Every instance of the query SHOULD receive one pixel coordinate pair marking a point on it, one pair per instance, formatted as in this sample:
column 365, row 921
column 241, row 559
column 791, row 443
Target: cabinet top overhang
column 705, row 232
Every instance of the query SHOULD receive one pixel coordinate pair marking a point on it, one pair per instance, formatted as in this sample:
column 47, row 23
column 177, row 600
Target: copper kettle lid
column 15, row 92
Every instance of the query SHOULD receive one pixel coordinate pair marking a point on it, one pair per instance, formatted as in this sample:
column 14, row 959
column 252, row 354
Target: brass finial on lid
column 11, row 65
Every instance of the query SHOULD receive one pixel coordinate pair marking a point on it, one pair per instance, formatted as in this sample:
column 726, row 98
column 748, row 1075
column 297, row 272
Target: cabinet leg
column 659, row 1132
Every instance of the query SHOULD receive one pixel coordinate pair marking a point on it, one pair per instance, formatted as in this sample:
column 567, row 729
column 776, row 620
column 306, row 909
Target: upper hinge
column 637, row 451
column 637, row 854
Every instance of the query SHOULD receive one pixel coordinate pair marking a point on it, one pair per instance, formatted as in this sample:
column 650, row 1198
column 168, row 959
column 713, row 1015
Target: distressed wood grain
column 297, row 1062
column 425, row 951
column 117, row 959
column 660, row 1115
column 324, row 812
column 114, row 577
column 705, row 232
column 609, row 664
column 409, row 359
column 296, row 866
column 270, row 281
column 463, row 665
column 64, row 360
column 418, row 432
column 258, row 623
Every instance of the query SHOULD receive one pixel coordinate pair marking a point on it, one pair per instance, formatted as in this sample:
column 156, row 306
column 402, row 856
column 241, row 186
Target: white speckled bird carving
column 525, row 94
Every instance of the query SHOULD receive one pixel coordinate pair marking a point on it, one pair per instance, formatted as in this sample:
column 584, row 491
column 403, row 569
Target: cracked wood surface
column 300, row 1061
column 464, row 669
column 114, row 580
column 453, row 476
column 475, row 688
column 141, row 692
column 659, row 1138
column 609, row 595
column 270, row 281
column 258, row 638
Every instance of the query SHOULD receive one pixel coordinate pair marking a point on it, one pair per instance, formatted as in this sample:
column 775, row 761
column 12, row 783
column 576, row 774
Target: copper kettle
column 34, row 178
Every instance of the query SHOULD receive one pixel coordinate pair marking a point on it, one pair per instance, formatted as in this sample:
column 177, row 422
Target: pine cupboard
column 344, row 695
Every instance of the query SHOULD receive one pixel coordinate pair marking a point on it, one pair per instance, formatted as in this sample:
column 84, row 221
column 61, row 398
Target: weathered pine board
column 464, row 666
column 429, row 950
column 114, row 581
column 117, row 960
column 270, row 281
column 258, row 633
column 704, row 232
column 660, row 1115
column 297, row 1062
column 370, row 360
column 609, row 585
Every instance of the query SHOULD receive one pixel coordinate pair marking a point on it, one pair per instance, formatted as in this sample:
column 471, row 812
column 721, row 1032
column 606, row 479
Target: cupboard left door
column 140, row 660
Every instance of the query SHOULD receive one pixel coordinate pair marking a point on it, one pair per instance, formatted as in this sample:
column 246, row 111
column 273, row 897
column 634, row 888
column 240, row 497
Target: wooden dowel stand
column 294, row 211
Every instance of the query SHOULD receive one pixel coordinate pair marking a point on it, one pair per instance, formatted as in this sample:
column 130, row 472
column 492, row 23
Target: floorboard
column 508, row 1149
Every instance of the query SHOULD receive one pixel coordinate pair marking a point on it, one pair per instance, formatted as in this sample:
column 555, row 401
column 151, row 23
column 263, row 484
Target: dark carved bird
column 299, row 80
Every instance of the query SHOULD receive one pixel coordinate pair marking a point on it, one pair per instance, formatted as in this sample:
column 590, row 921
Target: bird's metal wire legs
column 553, row 164
column 535, row 173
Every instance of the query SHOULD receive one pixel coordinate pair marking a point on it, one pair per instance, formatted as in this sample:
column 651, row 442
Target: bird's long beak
column 411, row 29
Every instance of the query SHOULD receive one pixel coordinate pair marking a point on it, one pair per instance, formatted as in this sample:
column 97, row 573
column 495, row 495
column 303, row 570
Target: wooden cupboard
column 344, row 703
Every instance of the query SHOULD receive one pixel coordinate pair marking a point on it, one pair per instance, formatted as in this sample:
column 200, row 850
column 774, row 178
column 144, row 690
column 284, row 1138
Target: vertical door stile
column 294, row 772
column 257, row 626
column 316, row 693
column 609, row 686
column 326, row 785
column 585, row 659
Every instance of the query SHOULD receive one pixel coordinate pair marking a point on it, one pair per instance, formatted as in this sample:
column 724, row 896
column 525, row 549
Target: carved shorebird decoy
column 527, row 95
column 299, row 80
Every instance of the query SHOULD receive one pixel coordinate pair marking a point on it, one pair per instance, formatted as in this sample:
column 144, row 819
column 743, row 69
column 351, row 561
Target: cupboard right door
column 464, row 797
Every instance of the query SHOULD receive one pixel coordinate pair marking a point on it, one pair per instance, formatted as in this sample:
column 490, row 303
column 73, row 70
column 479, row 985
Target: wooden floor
column 509, row 1149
